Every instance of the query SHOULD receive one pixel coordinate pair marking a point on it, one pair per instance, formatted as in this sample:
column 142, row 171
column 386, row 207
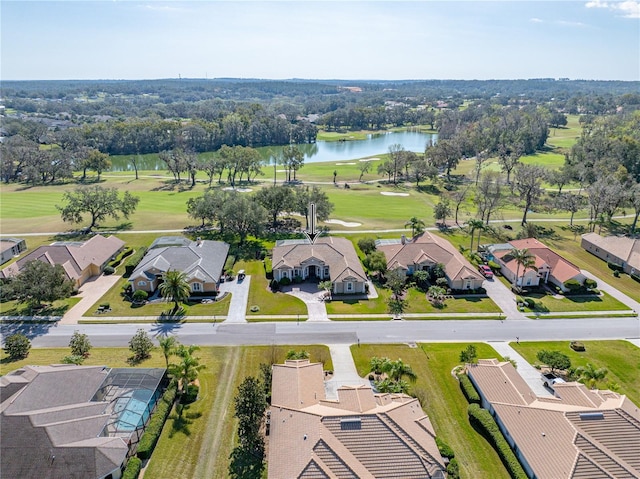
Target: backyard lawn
column 444, row 403
column 620, row 358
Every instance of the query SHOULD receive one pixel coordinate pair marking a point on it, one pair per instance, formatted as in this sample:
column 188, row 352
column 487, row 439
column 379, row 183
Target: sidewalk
column 344, row 370
column 530, row 374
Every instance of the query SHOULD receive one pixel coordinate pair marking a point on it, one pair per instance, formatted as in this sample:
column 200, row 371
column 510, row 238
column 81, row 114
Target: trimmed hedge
column 636, row 277
column 133, row 261
column 268, row 268
column 468, row 389
column 453, row 469
column 482, row 419
column 228, row 264
column 132, row 471
column 156, row 423
column 614, row 266
column 444, row 448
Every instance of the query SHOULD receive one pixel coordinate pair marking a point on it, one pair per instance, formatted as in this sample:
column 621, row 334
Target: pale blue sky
column 594, row 39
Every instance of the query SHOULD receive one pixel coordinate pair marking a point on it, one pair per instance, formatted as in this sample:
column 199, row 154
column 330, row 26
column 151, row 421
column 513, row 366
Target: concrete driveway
column 344, row 370
column 312, row 297
column 90, row 292
column 504, row 298
column 239, row 297
column 530, row 374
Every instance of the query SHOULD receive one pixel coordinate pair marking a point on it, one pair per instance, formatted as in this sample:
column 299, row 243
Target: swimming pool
column 134, row 410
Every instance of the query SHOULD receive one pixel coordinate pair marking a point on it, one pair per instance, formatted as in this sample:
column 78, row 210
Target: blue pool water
column 133, row 410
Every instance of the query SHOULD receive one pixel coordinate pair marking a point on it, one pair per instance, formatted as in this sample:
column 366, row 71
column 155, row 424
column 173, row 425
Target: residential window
column 296, row 272
column 349, row 286
column 468, row 285
column 196, row 287
column 285, row 274
column 326, row 271
column 528, row 281
column 142, row 283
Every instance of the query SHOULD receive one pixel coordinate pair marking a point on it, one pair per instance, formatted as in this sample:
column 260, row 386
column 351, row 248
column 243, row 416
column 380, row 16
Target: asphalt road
column 334, row 332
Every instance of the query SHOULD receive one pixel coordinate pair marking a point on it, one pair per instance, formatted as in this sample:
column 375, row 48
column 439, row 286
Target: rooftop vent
column 591, row 416
column 350, row 424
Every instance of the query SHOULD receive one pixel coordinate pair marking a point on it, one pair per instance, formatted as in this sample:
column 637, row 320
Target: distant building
column 424, row 252
column 329, row 258
column 620, row 250
column 550, row 266
column 62, row 422
column 359, row 435
column 577, row 434
column 80, row 260
column 202, row 262
column 10, row 247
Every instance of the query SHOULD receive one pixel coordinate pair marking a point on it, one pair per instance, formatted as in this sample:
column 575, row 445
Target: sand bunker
column 390, row 193
column 239, row 190
column 344, row 223
column 369, row 159
column 344, row 164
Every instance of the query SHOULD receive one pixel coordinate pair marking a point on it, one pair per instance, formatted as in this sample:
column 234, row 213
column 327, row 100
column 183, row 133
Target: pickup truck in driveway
column 550, row 379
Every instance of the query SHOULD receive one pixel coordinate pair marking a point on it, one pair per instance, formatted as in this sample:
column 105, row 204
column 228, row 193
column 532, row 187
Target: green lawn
column 620, row 358
column 417, row 303
column 444, row 403
column 56, row 308
column 120, row 307
column 260, row 295
column 547, row 303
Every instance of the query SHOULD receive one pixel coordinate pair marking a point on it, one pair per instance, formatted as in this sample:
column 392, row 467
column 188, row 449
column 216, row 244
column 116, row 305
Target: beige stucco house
column 329, row 258
column 202, row 261
column 358, row 435
column 426, row 250
column 576, row 434
column 619, row 250
column 80, row 260
column 11, row 247
column 550, row 267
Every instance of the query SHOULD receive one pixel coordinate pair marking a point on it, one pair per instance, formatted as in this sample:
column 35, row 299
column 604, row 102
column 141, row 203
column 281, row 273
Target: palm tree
column 473, row 226
column 175, row 288
column 187, row 368
column 528, row 263
column 398, row 370
column 168, row 344
column 417, row 225
column 590, row 376
column 522, row 257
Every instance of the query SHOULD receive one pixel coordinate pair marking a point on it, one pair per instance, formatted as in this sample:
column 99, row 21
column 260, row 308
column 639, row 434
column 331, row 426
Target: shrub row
column 636, row 277
column 444, row 448
column 482, row 419
column 468, row 389
column 268, row 268
column 118, row 259
column 133, row 261
column 156, row 423
column 614, row 266
column 228, row 264
column 132, row 471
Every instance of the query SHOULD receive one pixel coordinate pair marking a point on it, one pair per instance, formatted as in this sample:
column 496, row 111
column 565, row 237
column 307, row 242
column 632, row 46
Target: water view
column 375, row 144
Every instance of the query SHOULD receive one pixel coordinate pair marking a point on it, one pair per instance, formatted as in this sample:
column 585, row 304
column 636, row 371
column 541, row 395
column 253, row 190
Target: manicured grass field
column 260, row 295
column 444, row 402
column 620, row 358
column 57, row 308
column 547, row 303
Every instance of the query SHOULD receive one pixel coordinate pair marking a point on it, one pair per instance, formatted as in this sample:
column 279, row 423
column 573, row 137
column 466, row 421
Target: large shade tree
column 98, row 203
column 38, row 282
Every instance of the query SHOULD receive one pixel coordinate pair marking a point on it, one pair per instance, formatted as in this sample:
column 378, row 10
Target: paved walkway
column 311, row 296
column 239, row 296
column 530, row 374
column 619, row 295
column 91, row 292
column 503, row 297
column 344, row 370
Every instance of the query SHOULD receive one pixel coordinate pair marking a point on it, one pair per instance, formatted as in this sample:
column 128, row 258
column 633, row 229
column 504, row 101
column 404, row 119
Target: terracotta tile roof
column 431, row 249
column 561, row 269
column 361, row 435
column 579, row 434
column 335, row 252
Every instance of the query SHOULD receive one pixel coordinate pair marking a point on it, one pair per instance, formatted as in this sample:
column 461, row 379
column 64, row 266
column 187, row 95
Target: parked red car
column 486, row 271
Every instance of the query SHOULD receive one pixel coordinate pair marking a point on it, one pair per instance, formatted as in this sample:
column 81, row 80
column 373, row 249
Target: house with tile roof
column 11, row 247
column 550, row 267
column 576, row 434
column 359, row 434
column 202, row 262
column 67, row 421
column 619, row 250
column 425, row 251
column 329, row 258
column 80, row 260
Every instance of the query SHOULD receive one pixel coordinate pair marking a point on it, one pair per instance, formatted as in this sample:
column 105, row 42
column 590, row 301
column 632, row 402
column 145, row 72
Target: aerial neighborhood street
column 315, row 240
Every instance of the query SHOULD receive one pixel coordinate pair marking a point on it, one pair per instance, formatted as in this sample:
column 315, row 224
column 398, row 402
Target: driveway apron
column 504, row 298
column 530, row 374
column 344, row 370
column 239, row 297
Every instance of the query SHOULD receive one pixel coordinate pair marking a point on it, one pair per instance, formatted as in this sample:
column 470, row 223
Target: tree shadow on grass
column 182, row 420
